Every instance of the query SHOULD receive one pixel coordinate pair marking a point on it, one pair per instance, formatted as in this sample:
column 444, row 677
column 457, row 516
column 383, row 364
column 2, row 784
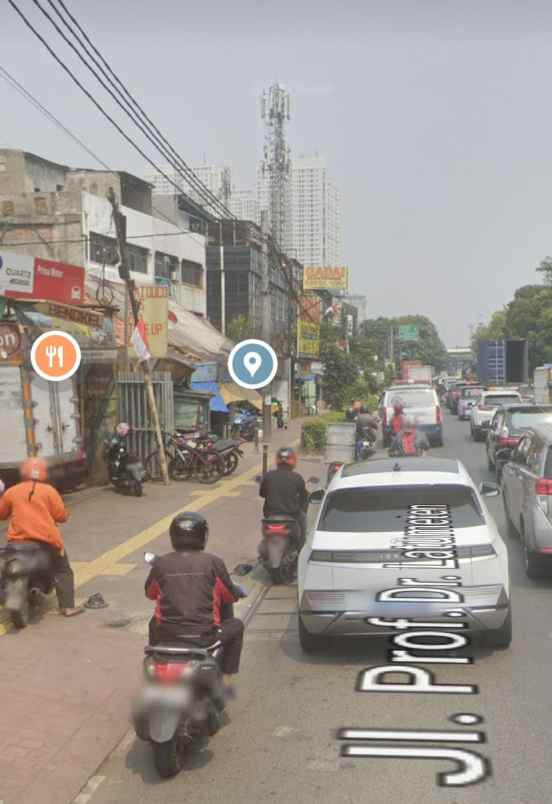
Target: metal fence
column 134, row 409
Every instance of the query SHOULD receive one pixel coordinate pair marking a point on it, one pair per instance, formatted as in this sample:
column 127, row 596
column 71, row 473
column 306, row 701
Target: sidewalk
column 66, row 685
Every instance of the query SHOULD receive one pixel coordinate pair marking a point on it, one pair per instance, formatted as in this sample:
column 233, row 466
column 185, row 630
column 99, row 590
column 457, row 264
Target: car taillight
column 439, row 416
column 543, row 491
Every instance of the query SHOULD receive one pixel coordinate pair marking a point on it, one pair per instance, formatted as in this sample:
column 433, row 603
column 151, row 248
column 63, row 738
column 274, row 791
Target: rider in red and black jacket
column 193, row 592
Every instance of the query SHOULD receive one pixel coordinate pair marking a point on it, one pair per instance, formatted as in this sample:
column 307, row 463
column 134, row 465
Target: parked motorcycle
column 281, row 544
column 26, row 578
column 245, row 424
column 182, row 699
column 126, row 471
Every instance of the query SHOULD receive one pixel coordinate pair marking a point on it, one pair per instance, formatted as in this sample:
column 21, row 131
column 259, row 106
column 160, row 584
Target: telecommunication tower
column 276, row 165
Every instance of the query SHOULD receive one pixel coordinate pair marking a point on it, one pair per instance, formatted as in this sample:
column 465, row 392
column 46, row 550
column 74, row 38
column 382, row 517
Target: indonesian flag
column 140, row 342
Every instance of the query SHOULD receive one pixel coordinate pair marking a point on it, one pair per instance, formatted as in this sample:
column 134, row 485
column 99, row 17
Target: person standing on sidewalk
column 34, row 509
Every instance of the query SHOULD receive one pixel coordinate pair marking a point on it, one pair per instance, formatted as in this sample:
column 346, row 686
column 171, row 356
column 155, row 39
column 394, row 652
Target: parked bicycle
column 189, row 459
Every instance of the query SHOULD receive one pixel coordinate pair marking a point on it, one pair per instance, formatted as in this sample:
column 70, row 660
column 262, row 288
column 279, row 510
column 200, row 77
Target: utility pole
column 120, row 228
column 266, row 323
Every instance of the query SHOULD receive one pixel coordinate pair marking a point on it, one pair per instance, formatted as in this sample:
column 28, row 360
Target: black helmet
column 189, row 531
column 286, row 456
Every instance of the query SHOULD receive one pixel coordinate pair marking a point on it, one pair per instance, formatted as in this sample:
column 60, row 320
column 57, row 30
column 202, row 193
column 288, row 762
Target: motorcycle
column 245, row 424
column 281, row 543
column 406, row 445
column 26, row 578
column 126, row 471
column 182, row 700
column 366, row 444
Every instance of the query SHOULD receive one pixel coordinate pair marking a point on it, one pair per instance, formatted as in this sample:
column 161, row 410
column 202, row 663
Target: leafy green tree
column 240, row 328
column 545, row 268
column 495, row 330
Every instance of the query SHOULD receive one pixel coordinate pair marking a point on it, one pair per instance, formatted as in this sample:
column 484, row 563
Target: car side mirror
column 317, row 496
column 149, row 558
column 488, row 489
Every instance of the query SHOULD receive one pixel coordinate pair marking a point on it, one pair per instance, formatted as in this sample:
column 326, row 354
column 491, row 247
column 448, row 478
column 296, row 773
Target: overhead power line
column 129, row 100
column 89, row 95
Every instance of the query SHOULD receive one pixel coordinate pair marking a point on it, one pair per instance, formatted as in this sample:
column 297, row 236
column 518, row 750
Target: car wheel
column 310, row 643
column 501, row 638
column 531, row 561
column 510, row 527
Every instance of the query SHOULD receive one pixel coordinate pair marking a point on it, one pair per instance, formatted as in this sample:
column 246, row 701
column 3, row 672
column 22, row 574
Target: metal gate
column 134, row 409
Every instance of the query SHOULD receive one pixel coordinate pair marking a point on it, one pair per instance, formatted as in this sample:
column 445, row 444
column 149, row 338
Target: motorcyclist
column 284, row 490
column 35, row 509
column 192, row 590
column 397, row 423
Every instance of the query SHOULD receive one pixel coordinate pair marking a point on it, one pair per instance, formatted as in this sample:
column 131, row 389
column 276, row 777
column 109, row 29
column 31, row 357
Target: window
column 192, row 273
column 164, row 265
column 527, row 418
column 385, row 510
column 137, row 258
column 495, row 399
column 103, row 249
column 422, row 398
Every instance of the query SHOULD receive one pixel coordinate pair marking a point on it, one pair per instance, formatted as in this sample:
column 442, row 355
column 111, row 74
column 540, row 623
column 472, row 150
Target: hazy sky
column 435, row 119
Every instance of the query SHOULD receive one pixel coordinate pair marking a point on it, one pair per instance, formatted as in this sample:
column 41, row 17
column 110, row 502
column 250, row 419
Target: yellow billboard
column 154, row 310
column 328, row 278
column 308, row 327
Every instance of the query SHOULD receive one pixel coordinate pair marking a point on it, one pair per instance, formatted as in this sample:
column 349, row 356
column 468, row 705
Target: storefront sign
column 10, row 340
column 78, row 315
column 308, row 326
column 154, row 311
column 328, row 278
column 51, row 281
column 16, row 274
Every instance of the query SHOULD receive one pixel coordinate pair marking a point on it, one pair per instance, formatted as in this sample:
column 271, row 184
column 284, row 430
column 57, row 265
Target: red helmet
column 286, row 456
column 34, row 469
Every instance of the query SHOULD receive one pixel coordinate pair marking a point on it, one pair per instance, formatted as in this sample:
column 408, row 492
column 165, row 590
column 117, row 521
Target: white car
column 483, row 413
column 420, row 403
column 359, row 534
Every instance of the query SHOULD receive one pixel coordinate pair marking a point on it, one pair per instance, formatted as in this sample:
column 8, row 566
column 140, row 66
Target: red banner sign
column 55, row 281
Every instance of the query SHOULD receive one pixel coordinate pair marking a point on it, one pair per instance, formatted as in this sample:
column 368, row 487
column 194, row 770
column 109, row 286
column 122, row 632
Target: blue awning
column 217, row 403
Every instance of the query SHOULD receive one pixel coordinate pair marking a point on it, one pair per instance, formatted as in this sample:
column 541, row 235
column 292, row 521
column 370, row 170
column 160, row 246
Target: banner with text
column 308, row 326
column 327, row 278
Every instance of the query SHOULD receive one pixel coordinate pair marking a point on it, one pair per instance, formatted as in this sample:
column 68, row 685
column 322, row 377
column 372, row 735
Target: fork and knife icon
column 52, row 352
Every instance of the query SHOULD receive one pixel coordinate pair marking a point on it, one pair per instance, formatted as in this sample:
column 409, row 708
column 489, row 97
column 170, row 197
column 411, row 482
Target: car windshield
column 423, row 398
column 471, row 393
column 496, row 400
column 385, row 510
column 526, row 418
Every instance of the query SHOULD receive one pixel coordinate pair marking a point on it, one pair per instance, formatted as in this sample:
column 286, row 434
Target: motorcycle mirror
column 317, row 496
column 149, row 558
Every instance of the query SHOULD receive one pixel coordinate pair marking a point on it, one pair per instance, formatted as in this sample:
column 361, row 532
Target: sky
column 435, row 119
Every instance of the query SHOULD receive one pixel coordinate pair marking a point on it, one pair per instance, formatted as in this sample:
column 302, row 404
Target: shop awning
column 231, row 392
column 216, row 403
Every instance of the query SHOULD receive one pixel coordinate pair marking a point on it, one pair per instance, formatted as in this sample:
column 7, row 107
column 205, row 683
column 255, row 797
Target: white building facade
column 316, row 215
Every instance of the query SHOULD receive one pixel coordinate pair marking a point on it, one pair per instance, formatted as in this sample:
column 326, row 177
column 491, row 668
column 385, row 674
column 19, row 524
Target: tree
column 495, row 330
column 429, row 348
column 240, row 328
column 545, row 268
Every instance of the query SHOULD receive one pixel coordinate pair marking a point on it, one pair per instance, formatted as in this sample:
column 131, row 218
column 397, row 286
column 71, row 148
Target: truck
column 543, row 384
column 414, row 371
column 503, row 362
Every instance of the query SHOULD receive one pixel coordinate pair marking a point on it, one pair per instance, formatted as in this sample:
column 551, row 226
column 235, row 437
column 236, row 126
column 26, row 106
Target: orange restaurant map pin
column 55, row 356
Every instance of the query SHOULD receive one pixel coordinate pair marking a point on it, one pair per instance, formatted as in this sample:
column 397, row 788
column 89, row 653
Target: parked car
column 482, row 414
column 508, row 425
column 355, row 539
column 421, row 404
column 469, row 397
column 527, row 497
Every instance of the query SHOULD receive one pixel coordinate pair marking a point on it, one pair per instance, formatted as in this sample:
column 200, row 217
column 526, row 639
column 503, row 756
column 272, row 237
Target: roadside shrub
column 313, row 435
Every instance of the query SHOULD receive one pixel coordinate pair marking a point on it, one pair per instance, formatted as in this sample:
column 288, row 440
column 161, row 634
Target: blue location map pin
column 252, row 364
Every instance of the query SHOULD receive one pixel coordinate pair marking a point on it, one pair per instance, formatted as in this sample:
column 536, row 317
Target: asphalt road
column 280, row 744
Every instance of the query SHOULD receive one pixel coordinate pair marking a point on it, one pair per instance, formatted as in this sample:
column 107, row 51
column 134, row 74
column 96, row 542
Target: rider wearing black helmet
column 284, row 490
column 191, row 589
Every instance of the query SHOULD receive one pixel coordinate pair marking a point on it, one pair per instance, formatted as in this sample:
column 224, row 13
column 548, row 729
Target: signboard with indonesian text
column 327, row 278
column 23, row 277
column 154, row 312
column 10, row 340
column 308, row 326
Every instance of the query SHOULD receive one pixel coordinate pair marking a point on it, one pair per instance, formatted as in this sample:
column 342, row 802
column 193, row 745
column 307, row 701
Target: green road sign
column 408, row 332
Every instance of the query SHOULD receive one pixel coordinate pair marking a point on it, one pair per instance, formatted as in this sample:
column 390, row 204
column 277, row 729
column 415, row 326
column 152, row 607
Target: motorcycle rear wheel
column 231, row 463
column 168, row 757
column 16, row 590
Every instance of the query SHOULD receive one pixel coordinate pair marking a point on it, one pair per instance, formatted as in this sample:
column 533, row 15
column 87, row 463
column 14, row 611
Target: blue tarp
column 217, row 403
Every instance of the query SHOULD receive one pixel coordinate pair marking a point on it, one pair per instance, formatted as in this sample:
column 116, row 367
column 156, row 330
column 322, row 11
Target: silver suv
column 527, row 497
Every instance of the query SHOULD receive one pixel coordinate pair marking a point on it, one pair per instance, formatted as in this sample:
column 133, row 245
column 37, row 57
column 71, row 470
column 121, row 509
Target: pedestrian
column 35, row 509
